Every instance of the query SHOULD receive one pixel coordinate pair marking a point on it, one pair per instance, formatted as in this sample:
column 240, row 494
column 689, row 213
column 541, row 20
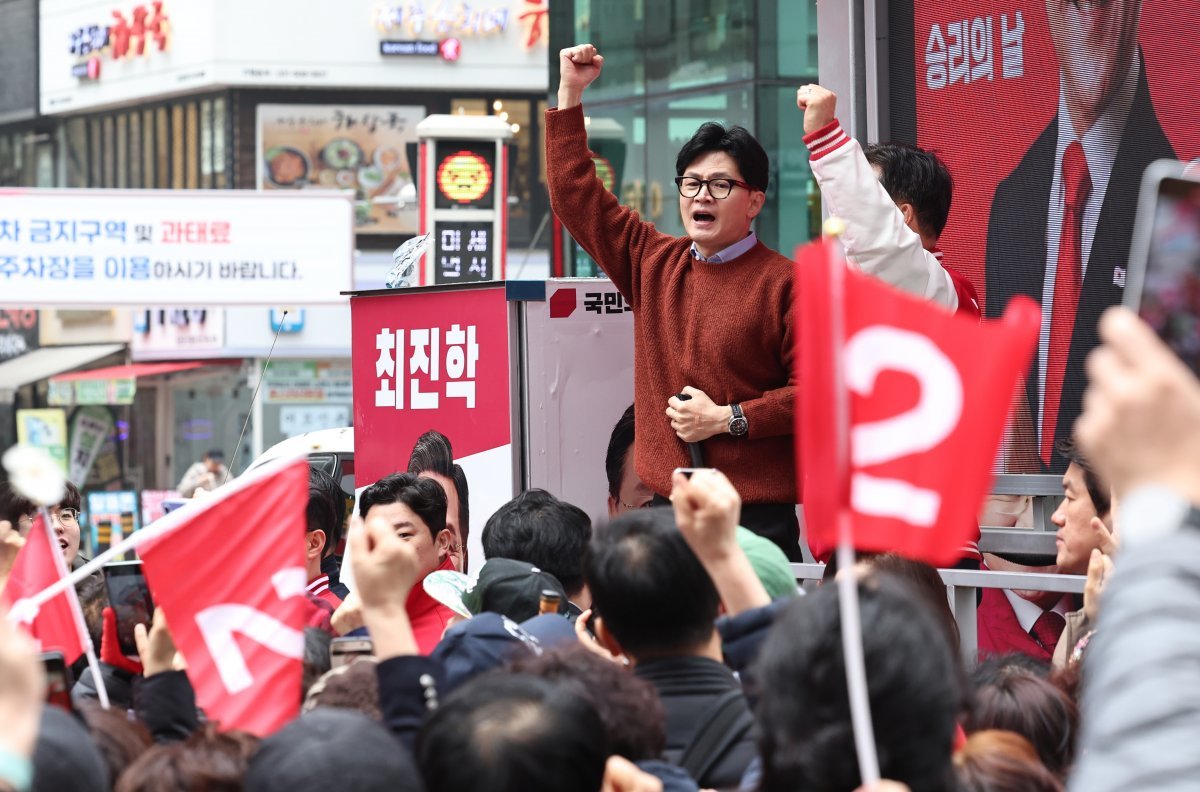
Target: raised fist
column 819, row 106
column 578, row 68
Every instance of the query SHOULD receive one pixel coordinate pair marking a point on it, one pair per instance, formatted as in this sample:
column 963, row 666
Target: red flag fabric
column 230, row 579
column 58, row 624
column 929, row 393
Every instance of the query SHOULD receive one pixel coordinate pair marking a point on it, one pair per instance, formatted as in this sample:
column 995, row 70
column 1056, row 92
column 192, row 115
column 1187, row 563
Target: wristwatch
column 738, row 425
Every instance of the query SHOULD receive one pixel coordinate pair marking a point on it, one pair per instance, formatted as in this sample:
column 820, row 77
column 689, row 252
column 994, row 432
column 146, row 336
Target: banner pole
column 847, row 578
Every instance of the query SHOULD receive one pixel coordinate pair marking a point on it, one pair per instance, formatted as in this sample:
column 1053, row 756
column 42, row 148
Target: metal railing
column 962, row 586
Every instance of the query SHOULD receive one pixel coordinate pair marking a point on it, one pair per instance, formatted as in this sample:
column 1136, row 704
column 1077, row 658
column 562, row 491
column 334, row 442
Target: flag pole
column 60, row 566
column 847, row 579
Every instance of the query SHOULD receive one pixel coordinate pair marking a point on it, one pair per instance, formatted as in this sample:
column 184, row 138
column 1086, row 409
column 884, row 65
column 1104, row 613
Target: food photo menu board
column 344, row 147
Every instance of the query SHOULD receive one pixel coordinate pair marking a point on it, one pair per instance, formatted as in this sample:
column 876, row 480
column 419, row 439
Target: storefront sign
column 45, row 429
column 298, row 419
column 307, row 381
column 137, row 33
column 90, row 426
column 498, row 44
column 131, row 247
column 344, row 147
column 177, row 330
column 18, row 332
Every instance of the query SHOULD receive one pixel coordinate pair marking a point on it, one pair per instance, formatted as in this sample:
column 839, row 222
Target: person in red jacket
column 416, row 509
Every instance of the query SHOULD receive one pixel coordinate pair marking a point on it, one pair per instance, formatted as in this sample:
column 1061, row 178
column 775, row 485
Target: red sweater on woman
column 723, row 328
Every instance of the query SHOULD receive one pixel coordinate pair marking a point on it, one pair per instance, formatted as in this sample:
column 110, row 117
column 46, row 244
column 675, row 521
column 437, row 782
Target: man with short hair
column 416, row 509
column 326, row 505
column 21, row 512
column 539, row 529
column 894, row 199
column 626, row 491
column 433, row 457
column 207, row 474
column 656, row 604
column 1047, row 626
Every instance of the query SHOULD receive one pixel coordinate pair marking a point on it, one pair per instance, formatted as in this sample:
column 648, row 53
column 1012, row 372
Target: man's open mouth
column 703, row 217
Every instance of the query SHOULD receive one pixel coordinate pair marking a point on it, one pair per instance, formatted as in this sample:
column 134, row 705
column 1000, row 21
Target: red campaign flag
column 58, row 624
column 929, row 394
column 230, row 578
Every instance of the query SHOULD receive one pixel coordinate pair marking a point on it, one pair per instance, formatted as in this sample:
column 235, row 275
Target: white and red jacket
column 876, row 239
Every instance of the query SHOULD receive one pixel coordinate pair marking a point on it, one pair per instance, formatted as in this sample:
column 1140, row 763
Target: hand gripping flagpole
column 847, row 579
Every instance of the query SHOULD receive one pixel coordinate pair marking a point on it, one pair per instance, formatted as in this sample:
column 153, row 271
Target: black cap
column 513, row 589
column 331, row 749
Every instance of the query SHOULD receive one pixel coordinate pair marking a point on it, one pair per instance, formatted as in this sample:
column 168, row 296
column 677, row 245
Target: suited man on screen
column 1061, row 223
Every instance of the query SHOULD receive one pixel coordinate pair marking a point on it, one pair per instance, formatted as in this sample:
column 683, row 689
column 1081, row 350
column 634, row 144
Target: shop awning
column 132, row 371
column 111, row 385
column 48, row 361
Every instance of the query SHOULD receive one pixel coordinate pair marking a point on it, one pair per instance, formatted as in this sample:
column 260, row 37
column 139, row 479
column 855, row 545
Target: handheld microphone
column 694, row 449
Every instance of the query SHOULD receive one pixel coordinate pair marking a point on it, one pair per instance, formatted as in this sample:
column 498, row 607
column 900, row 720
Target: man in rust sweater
column 712, row 310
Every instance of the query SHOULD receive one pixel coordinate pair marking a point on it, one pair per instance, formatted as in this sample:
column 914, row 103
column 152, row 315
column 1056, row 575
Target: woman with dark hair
column 209, row 760
column 1017, row 700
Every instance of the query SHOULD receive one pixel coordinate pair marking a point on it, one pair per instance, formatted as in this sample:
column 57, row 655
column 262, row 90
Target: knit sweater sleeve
column 773, row 413
column 614, row 235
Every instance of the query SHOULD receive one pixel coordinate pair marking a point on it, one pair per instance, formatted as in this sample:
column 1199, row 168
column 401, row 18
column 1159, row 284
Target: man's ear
column 443, row 541
column 605, row 637
column 757, row 201
column 910, row 216
column 314, row 544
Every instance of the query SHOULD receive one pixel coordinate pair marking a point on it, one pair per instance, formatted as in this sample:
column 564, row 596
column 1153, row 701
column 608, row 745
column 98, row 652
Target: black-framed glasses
column 689, row 186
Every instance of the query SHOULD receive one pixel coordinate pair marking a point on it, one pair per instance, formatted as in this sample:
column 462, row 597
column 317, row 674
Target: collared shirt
column 1027, row 612
column 728, row 254
column 1100, row 145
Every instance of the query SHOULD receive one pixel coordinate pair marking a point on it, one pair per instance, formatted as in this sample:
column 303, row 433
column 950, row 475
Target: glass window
column 206, row 144
column 690, row 43
column 135, row 150
column 792, row 214
column 193, row 146
column 787, row 39
column 147, row 152
column 218, row 146
column 122, row 150
column 164, row 149
column 616, row 28
column 108, row 147
column 177, row 148
column 75, row 136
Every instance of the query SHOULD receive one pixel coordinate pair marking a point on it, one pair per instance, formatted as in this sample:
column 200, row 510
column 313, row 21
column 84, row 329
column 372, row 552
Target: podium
column 526, row 379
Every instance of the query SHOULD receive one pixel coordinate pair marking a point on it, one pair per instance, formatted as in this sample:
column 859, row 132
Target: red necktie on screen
column 1048, row 629
column 1068, row 282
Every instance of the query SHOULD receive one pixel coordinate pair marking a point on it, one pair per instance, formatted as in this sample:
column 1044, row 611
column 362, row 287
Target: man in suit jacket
column 1061, row 223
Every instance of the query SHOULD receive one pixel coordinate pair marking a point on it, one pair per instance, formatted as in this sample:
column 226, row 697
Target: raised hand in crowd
column 22, row 691
column 385, row 570
column 1100, row 569
column 1141, row 413
column 819, row 106
column 707, row 511
column 578, row 68
column 155, row 646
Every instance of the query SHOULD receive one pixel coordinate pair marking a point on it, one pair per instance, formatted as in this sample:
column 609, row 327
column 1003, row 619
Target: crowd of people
column 668, row 646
